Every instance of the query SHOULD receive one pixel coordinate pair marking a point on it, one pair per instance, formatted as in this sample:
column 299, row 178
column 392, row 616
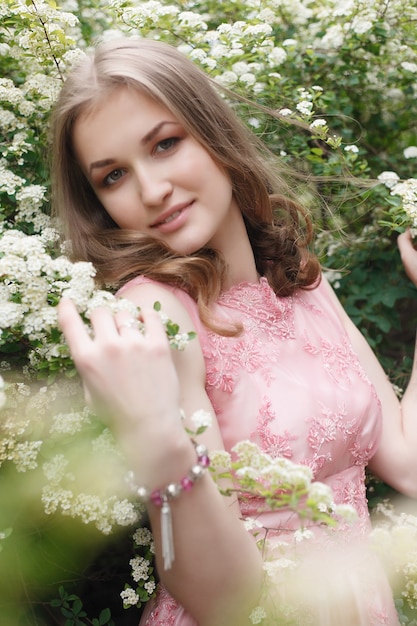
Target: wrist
column 161, row 497
column 159, row 458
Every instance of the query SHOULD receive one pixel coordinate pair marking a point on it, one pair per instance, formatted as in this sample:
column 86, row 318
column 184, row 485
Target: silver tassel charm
column 167, row 538
column 161, row 497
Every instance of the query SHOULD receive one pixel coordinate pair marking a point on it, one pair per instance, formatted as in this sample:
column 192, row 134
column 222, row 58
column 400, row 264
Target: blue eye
column 166, row 144
column 113, row 177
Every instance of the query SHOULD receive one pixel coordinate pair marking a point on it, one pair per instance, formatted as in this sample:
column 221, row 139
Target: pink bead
column 187, row 483
column 204, row 460
column 156, row 498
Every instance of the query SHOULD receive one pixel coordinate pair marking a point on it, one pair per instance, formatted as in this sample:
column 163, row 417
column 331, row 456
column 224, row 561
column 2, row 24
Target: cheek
column 125, row 213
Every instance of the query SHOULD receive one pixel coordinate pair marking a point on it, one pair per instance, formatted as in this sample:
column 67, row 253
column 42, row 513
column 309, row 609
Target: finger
column 154, row 328
column 103, row 323
column 87, row 397
column 125, row 321
column 404, row 237
column 71, row 324
column 406, row 246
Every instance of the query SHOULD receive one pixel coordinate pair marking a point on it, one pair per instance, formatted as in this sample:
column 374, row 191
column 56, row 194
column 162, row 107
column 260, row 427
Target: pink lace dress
column 293, row 384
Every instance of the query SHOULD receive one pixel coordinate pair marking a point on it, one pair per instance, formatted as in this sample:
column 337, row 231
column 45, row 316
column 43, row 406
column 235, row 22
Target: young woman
column 164, row 190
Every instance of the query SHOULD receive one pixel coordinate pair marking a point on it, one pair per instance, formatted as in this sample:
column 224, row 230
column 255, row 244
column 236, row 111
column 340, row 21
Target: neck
column 232, row 241
column 241, row 268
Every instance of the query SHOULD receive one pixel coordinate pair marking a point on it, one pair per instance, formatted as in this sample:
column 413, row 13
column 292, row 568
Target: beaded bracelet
column 161, row 497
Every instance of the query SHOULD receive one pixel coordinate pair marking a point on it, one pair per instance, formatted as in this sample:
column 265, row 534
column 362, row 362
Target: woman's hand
column 129, row 377
column 408, row 255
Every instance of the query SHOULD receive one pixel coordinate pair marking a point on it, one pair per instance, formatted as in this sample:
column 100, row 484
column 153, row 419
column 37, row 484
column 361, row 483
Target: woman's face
column 152, row 176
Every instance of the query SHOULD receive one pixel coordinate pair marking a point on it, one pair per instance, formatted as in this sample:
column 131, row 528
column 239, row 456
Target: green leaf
column 104, row 616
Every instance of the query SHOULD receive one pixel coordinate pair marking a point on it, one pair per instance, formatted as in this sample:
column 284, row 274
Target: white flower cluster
column 394, row 538
column 105, row 513
column 31, row 284
column 20, row 442
column 389, row 178
column 407, row 191
column 142, row 569
column 83, row 477
column 2, row 393
column 9, row 181
column 258, row 615
column 201, row 419
column 273, row 478
column 69, row 423
column 129, row 597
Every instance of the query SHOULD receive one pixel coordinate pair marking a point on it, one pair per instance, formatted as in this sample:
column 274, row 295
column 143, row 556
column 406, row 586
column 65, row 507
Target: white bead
column 143, row 494
column 173, row 490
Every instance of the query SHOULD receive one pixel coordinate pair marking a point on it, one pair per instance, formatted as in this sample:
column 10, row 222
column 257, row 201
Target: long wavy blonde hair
column 279, row 229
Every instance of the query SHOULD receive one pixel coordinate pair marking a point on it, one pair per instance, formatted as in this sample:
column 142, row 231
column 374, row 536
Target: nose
column 153, row 185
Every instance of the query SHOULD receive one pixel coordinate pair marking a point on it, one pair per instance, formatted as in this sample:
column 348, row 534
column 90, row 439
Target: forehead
column 122, row 98
column 123, row 114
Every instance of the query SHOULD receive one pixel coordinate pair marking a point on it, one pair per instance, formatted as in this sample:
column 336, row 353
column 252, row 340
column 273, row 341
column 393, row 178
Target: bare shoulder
column 344, row 318
column 190, row 362
column 356, row 338
column 145, row 295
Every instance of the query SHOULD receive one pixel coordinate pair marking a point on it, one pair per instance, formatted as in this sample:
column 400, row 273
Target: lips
column 168, row 219
column 170, row 215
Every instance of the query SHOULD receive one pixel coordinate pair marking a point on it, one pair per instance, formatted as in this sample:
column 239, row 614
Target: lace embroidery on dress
column 166, row 611
column 292, row 383
column 225, row 359
column 272, row 443
column 262, row 310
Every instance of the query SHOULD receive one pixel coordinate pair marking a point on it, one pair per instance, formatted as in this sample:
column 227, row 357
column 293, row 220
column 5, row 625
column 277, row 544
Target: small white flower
column 361, row 26
column 303, row 535
column 277, row 56
column 192, row 20
column 318, row 123
column 198, row 55
column 124, row 513
column 285, row 112
column 410, row 67
column 258, row 615
column 275, row 566
column 305, row 107
column 129, row 597
column 254, row 122
column 334, row 37
column 227, row 78
column 69, row 423
column 389, row 179
column 248, row 79
column 410, row 152
column 251, row 523
column 351, row 148
column 201, row 419
column 140, row 568
column 257, row 30
column 220, row 459
column 150, row 586
column 321, row 493
column 268, row 16
column 142, row 537
column 347, row 512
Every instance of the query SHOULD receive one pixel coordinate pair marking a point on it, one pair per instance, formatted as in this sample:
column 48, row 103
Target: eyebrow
column 144, row 141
